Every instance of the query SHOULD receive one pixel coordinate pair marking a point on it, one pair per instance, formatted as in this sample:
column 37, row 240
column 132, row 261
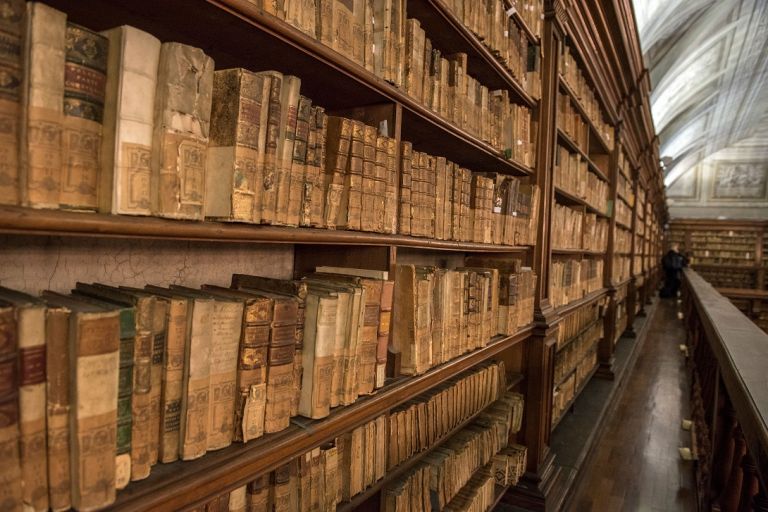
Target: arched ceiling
column 708, row 61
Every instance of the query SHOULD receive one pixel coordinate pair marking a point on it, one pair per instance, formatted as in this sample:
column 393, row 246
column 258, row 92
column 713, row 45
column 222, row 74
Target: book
column 258, row 494
column 318, row 354
column 11, row 27
column 30, row 336
column 85, row 78
column 126, row 151
column 10, row 470
column 42, row 106
column 289, row 104
column 226, row 327
column 298, row 173
column 181, row 131
column 338, row 142
column 236, row 150
column 94, row 356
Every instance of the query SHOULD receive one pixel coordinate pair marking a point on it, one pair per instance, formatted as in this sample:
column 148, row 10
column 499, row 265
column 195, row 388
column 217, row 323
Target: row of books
column 574, row 323
column 623, row 214
column 335, row 472
column 574, row 351
column 574, row 77
column 572, row 279
column 595, row 233
column 494, row 25
column 567, row 227
column 621, row 268
column 441, row 476
column 572, row 175
column 570, row 121
column 439, row 199
column 509, row 465
column 624, row 189
column 442, row 83
column 622, row 241
column 565, row 392
column 440, row 314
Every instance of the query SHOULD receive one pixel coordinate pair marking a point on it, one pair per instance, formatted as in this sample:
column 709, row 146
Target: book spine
column 311, row 172
column 337, row 155
column 385, row 319
column 172, row 379
column 126, row 151
column 391, row 183
column 317, row 358
column 403, row 318
column 289, row 100
column 43, row 104
column 368, row 213
column 406, row 194
column 227, row 323
column 32, row 407
column 159, row 330
column 94, row 377
column 351, row 203
column 368, row 345
column 377, row 190
column 85, row 78
column 317, row 212
column 124, row 397
column 299, row 161
column 10, row 469
column 258, row 495
column 11, row 26
column 57, row 375
column 252, row 372
column 181, row 126
column 141, row 402
column 269, row 185
column 280, row 376
column 193, row 430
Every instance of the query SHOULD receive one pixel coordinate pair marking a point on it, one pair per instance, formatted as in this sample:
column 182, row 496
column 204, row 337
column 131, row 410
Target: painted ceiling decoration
column 708, row 61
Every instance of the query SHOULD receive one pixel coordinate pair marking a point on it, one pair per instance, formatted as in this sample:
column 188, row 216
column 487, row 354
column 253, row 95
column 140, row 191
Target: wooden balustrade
column 727, row 362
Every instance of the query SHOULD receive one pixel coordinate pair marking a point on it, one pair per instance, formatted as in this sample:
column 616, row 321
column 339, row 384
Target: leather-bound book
column 379, row 187
column 85, row 79
column 405, row 203
column 330, row 474
column 94, row 333
column 30, row 317
column 299, row 161
column 126, row 151
column 11, row 27
column 235, row 162
column 251, row 398
column 342, row 27
column 237, row 500
column 227, row 323
column 369, row 214
column 316, row 169
column 259, row 494
column 351, row 202
column 289, row 105
column 267, row 212
column 42, row 106
column 318, row 353
column 181, row 131
column 385, row 323
column 281, row 488
column 338, row 142
column 391, row 185
column 10, row 470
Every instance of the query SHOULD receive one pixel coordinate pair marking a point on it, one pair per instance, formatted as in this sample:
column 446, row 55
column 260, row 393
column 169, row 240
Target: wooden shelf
column 524, row 26
column 709, row 266
column 571, row 144
column 19, row 220
column 578, row 251
column 582, row 331
column 577, row 103
column 571, row 200
column 575, row 304
column 185, row 484
column 622, row 225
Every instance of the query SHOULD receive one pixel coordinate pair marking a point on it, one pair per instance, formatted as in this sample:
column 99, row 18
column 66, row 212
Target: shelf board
column 328, row 78
column 578, row 251
column 622, row 225
column 524, row 26
column 577, row 103
column 571, row 200
column 185, row 484
column 575, row 396
column 575, row 304
column 622, row 283
column 19, row 220
column 576, row 149
column 514, row 379
column 709, row 266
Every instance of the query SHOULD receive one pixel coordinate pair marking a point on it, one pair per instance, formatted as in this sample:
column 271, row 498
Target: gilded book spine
column 390, row 184
column 94, row 377
column 85, row 78
column 11, row 19
column 10, row 469
column 57, row 375
column 43, row 104
column 319, row 193
column 182, row 119
column 126, row 150
column 193, row 430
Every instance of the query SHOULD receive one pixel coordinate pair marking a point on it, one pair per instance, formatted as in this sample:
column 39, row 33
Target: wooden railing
column 728, row 363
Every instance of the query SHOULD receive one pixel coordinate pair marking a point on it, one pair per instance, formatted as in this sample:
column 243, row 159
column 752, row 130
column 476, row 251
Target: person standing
column 673, row 263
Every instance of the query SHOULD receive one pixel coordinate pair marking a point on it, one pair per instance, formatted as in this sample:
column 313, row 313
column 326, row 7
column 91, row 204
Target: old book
column 379, row 185
column 181, row 131
column 259, row 494
column 317, row 355
column 11, row 27
column 251, row 398
column 225, row 333
column 338, row 142
column 391, row 184
column 10, row 470
column 368, row 214
column 351, row 201
column 126, row 151
column 237, row 500
column 269, row 181
column 94, row 334
column 30, row 318
column 141, row 400
column 405, row 203
column 85, row 77
column 316, row 170
column 289, row 104
column 42, row 106
column 299, row 161
column 281, row 488
column 235, row 161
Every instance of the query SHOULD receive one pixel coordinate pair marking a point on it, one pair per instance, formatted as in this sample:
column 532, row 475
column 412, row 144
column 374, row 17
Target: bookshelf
column 575, row 150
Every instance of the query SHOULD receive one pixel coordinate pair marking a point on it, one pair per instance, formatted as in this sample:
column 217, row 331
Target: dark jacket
column 673, row 261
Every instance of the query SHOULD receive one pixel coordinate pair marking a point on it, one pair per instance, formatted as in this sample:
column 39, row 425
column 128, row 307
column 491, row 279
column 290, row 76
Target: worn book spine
column 141, row 400
column 227, row 323
column 181, row 125
column 32, row 406
column 57, row 417
column 251, row 399
column 159, row 325
column 391, row 183
column 338, row 141
column 403, row 319
column 280, row 372
column 385, row 319
column 259, row 495
column 289, row 104
column 379, row 187
column 43, row 106
column 368, row 214
column 317, row 360
column 124, row 397
column 126, row 150
column 405, row 204
column 317, row 166
column 299, row 161
column 10, row 469
column 270, row 171
column 172, row 378
column 11, row 27
column 311, row 171
column 193, row 429
column 351, row 202
column 94, row 380
column 234, row 174
column 85, row 78
column 281, row 488
column 368, row 343
column 343, row 27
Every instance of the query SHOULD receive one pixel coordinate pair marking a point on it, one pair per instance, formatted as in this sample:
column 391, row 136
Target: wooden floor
column 636, row 465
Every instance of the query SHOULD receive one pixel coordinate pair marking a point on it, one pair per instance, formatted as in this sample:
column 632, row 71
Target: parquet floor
column 636, row 465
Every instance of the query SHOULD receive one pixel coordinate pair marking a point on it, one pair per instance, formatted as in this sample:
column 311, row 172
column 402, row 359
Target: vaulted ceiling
column 708, row 61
